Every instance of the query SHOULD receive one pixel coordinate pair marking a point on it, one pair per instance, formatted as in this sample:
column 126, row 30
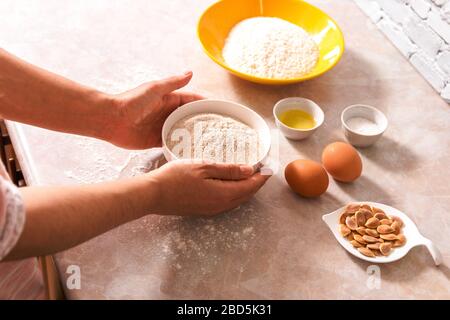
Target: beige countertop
column 276, row 246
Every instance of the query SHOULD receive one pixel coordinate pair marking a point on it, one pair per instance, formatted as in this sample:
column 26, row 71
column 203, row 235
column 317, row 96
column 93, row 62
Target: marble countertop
column 276, row 246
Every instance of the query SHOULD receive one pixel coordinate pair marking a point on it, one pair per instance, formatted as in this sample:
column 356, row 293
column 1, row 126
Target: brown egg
column 342, row 162
column 307, row 178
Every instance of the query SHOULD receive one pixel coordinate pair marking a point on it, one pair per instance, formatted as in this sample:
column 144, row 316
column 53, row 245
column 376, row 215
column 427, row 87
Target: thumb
column 226, row 171
column 170, row 84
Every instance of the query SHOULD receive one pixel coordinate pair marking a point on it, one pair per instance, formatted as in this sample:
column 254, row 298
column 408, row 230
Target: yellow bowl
column 218, row 20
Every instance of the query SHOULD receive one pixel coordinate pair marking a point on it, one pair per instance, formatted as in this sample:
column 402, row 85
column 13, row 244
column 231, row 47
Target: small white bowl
column 297, row 103
column 360, row 139
column 412, row 234
column 226, row 108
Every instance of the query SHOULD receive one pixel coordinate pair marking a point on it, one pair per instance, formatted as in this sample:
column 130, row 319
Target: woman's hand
column 186, row 188
column 60, row 217
column 141, row 112
column 132, row 120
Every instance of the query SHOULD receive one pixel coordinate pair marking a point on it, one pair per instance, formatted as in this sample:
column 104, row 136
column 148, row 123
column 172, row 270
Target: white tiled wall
column 420, row 29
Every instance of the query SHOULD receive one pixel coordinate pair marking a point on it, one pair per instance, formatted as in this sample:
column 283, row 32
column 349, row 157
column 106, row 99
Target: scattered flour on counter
column 270, row 48
column 198, row 244
column 101, row 162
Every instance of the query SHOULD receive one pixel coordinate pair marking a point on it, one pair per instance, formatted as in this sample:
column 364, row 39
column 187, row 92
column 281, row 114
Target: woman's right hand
column 74, row 214
column 187, row 188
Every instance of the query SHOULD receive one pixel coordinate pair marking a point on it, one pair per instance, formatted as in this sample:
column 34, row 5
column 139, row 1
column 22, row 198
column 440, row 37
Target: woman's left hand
column 141, row 112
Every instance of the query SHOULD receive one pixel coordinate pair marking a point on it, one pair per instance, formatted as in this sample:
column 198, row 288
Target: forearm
column 58, row 218
column 34, row 96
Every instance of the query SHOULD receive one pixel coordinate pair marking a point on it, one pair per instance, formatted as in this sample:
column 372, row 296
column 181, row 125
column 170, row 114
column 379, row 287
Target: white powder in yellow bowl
column 214, row 137
column 270, row 48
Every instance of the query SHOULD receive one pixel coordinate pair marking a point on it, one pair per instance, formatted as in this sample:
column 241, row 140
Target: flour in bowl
column 214, row 137
column 270, row 48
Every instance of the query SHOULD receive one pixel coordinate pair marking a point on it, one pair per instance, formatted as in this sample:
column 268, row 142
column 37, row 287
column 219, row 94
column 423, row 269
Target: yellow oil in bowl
column 297, row 119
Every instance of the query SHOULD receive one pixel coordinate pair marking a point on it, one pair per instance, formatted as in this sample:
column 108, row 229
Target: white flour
column 270, row 48
column 214, row 137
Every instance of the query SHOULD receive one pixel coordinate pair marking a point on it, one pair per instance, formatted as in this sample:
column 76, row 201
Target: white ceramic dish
column 299, row 104
column 226, row 108
column 412, row 234
column 370, row 113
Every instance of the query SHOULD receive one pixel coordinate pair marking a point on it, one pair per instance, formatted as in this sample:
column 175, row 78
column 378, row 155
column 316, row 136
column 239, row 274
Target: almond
column 372, row 232
column 372, row 223
column 360, row 218
column 380, row 215
column 358, row 238
column 367, row 213
column 366, row 251
column 396, row 226
column 369, row 239
column 376, row 210
column 374, row 246
column 386, row 221
column 356, row 244
column 384, row 229
column 395, row 218
column 389, row 237
column 401, row 240
column 344, row 230
column 377, row 253
column 385, row 248
column 344, row 216
column 352, row 208
column 361, row 230
column 366, row 207
column 351, row 222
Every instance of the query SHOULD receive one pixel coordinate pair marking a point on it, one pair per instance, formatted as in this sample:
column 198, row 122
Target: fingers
column 186, row 97
column 176, row 99
column 248, row 187
column 168, row 85
column 239, row 192
column 225, row 171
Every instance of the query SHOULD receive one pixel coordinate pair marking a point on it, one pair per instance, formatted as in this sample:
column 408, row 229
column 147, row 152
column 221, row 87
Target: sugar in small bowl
column 363, row 125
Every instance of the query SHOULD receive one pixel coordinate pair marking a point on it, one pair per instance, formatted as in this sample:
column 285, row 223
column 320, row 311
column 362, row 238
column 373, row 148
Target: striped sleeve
column 12, row 216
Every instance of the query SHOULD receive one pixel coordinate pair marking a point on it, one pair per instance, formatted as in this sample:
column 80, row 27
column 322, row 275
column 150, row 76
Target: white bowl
column 297, row 103
column 226, row 108
column 360, row 139
column 412, row 234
